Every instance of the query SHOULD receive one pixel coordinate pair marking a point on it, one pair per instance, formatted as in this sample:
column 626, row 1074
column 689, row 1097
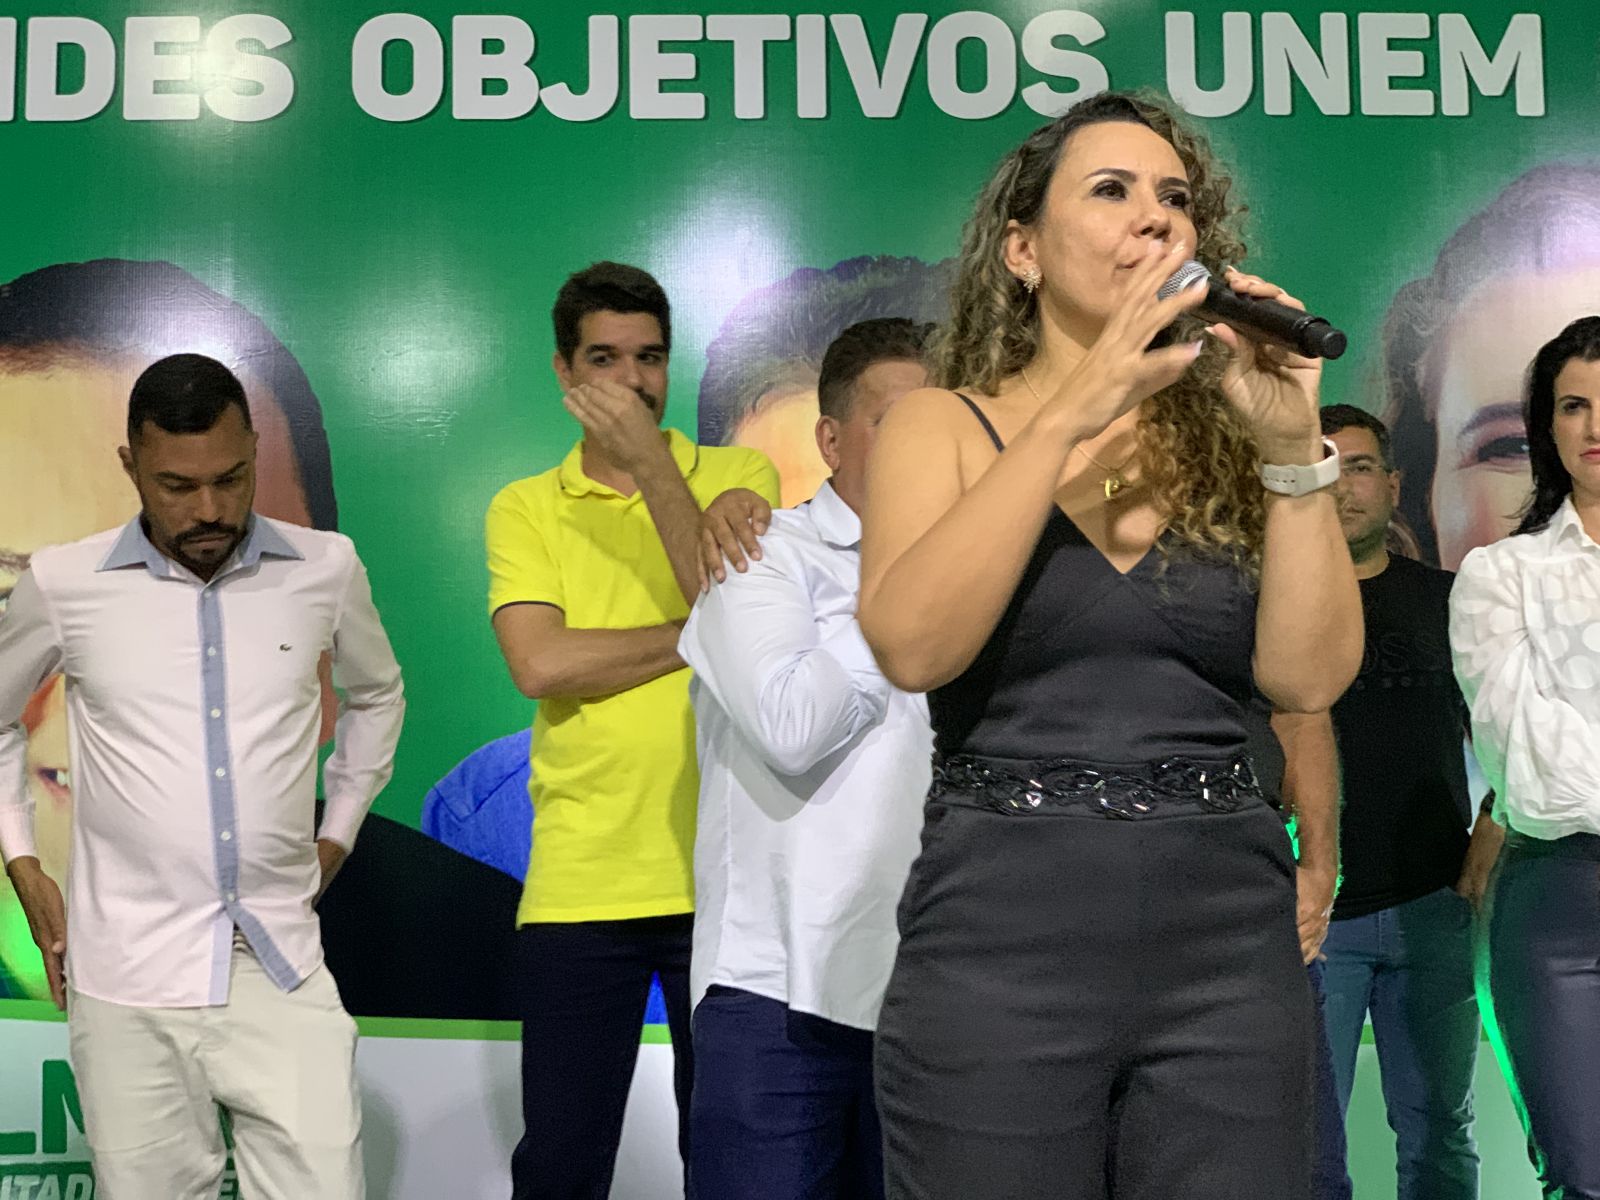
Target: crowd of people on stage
column 1043, row 807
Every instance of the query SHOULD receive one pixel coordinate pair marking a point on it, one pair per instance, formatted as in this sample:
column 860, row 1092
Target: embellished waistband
column 1065, row 785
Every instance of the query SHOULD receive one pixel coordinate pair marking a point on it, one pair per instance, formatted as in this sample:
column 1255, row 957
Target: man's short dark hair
column 607, row 287
column 1347, row 416
column 184, row 393
column 115, row 308
column 775, row 338
column 880, row 339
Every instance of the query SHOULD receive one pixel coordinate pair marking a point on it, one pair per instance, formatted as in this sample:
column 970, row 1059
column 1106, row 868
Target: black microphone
column 1264, row 320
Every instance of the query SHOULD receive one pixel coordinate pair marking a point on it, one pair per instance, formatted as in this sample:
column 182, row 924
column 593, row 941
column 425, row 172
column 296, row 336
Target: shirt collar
column 1567, row 526
column 575, row 483
column 262, row 539
column 133, row 548
column 835, row 520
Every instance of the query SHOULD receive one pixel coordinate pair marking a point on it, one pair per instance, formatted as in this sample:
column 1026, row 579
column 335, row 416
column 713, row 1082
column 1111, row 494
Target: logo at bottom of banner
column 71, row 1181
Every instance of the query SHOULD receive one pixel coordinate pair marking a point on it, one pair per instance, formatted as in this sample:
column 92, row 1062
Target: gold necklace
column 1116, row 481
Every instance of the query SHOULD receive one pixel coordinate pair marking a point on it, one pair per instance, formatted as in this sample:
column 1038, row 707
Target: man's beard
column 233, row 533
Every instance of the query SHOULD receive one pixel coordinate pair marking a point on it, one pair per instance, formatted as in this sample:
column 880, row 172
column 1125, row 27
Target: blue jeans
column 1411, row 967
column 783, row 1106
column 1330, row 1179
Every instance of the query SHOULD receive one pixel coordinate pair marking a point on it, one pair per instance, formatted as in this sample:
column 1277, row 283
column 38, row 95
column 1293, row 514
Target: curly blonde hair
column 1196, row 454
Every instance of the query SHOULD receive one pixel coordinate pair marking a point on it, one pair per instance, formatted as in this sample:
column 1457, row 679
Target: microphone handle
column 1269, row 320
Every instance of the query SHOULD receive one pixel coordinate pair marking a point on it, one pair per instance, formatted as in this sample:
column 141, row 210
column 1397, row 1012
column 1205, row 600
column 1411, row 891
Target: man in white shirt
column 188, row 955
column 813, row 773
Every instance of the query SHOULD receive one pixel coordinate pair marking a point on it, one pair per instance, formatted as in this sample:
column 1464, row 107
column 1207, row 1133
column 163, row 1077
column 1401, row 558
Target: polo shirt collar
column 575, row 483
column 133, row 548
column 835, row 520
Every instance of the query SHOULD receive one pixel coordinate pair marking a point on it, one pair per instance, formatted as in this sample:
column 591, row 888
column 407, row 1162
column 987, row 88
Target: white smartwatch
column 1302, row 479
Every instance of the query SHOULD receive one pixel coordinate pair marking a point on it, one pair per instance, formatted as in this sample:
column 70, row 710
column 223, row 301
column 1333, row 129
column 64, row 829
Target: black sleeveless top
column 1103, row 668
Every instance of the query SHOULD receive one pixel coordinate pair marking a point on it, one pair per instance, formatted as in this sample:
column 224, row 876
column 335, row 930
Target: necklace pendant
column 1114, row 484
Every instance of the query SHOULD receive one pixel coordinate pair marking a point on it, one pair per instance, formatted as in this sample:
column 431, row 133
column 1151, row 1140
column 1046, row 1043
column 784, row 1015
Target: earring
column 1031, row 279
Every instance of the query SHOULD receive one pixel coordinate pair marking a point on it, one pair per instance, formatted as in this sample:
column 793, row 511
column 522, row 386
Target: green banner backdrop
column 369, row 213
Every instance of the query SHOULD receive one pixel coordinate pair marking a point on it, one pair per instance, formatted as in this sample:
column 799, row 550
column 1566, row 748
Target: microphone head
column 1184, row 277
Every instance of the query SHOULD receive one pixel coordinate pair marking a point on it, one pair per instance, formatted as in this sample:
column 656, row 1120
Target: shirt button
column 215, row 713
column 211, row 651
column 221, row 772
column 226, row 835
column 232, row 897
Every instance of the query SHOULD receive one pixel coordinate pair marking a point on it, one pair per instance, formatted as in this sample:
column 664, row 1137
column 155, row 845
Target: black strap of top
column 984, row 421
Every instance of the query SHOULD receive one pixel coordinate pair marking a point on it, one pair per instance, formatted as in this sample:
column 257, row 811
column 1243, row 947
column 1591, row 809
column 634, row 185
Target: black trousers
column 1543, row 967
column 582, row 991
column 1086, row 1008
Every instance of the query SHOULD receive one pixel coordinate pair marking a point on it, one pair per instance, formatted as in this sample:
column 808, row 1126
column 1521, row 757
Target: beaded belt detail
column 1011, row 786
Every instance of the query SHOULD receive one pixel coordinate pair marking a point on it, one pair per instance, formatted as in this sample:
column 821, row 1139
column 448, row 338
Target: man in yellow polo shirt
column 589, row 564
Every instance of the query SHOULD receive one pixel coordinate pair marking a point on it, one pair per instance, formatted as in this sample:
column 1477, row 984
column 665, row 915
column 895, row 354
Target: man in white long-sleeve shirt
column 188, row 953
column 813, row 773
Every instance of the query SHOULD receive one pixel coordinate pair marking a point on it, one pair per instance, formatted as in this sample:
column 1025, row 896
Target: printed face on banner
column 63, row 414
column 783, row 427
column 759, row 388
column 1481, row 477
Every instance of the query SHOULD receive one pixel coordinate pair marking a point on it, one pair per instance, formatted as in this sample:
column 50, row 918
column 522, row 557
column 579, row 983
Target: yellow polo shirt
column 614, row 779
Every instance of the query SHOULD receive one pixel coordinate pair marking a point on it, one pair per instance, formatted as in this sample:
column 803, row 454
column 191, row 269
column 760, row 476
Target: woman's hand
column 1274, row 389
column 1120, row 371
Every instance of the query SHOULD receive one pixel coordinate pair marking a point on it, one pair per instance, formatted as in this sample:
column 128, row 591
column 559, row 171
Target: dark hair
column 1347, row 416
column 776, row 337
column 113, row 308
column 184, row 393
column 1546, row 219
column 607, row 287
column 881, row 339
column 1552, row 483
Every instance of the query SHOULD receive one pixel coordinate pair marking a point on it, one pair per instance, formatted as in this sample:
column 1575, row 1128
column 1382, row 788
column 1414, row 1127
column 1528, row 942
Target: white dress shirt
column 1525, row 632
column 194, row 710
column 813, row 773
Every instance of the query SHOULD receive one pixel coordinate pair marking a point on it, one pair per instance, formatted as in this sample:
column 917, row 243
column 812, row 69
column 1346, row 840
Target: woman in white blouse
column 1525, row 631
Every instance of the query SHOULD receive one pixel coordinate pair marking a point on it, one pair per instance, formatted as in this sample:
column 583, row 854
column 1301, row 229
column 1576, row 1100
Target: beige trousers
column 282, row 1065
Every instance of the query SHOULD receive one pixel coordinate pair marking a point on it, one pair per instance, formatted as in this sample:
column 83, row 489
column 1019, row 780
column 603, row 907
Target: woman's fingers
column 1164, row 367
column 1165, row 312
column 1160, row 261
column 1141, row 312
column 1254, row 285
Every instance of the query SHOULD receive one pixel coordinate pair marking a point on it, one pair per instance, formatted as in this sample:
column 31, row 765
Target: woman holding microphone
column 1087, row 547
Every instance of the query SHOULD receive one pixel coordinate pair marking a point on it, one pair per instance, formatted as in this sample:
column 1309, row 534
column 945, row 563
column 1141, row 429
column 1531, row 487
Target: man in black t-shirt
column 1400, row 943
